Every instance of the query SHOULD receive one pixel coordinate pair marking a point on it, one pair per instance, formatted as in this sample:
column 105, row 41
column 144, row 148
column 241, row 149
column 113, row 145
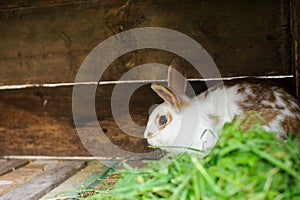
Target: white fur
column 192, row 127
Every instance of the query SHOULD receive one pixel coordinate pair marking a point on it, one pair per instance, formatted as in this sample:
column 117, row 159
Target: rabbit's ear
column 168, row 96
column 176, row 76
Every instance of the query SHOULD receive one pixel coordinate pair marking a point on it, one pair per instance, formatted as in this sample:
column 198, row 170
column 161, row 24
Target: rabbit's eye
column 162, row 120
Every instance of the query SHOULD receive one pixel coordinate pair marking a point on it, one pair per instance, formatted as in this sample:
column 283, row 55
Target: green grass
column 252, row 165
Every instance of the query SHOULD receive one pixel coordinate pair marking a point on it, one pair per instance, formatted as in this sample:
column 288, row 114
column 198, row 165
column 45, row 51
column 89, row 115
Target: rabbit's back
column 264, row 102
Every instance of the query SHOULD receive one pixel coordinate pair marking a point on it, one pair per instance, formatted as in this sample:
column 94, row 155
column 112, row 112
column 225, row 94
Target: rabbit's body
column 195, row 123
column 261, row 101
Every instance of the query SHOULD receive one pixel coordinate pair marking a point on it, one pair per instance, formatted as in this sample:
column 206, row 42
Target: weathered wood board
column 46, row 41
column 43, row 181
column 71, row 187
column 95, row 175
column 33, row 128
column 8, row 4
column 11, row 165
column 295, row 5
column 60, row 179
column 14, row 179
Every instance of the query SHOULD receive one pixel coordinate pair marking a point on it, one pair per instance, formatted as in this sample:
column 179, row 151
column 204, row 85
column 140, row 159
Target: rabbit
column 183, row 124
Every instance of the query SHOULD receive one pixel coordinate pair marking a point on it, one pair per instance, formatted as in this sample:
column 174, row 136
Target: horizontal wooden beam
column 46, row 41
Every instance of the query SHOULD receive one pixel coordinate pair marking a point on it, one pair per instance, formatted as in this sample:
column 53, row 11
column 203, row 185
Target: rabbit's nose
column 149, row 135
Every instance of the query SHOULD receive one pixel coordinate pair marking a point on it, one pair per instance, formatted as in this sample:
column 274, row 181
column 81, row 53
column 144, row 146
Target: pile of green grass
column 252, row 165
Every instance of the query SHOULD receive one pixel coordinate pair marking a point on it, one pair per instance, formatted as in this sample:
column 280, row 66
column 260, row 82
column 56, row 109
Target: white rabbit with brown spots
column 182, row 122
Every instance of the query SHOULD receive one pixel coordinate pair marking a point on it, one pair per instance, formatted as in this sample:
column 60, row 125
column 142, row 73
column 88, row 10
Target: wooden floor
column 51, row 179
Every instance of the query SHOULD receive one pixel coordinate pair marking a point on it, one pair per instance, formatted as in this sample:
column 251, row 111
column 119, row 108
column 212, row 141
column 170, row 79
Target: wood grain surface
column 296, row 43
column 46, row 41
column 45, row 179
column 11, row 165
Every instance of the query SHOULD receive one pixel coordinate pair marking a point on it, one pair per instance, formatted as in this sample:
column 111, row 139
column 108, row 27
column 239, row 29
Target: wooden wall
column 295, row 5
column 46, row 41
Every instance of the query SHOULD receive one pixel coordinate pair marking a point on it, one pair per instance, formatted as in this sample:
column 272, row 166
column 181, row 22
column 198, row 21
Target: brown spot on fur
column 248, row 122
column 149, row 135
column 215, row 119
column 214, row 88
column 255, row 110
column 263, row 117
column 286, row 100
column 279, row 107
column 272, row 97
column 269, row 114
column 184, row 103
column 254, row 102
column 291, row 125
column 206, row 93
column 261, row 104
column 255, row 89
column 241, row 89
column 293, row 107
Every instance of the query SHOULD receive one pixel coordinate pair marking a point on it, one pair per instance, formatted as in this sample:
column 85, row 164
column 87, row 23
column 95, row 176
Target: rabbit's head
column 165, row 120
column 174, row 125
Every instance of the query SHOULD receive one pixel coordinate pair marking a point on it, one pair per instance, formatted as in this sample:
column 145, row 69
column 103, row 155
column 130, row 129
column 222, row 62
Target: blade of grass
column 275, row 162
column 180, row 187
column 207, row 177
column 196, row 187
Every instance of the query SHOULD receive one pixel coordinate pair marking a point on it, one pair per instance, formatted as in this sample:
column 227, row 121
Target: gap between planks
column 84, row 158
column 11, row 165
column 50, row 85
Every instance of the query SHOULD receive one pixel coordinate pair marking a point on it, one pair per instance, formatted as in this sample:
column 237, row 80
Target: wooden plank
column 24, row 174
column 91, row 177
column 70, row 188
column 8, row 4
column 296, row 43
column 28, row 126
column 31, row 128
column 11, row 165
column 39, row 186
column 44, row 46
column 47, row 44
